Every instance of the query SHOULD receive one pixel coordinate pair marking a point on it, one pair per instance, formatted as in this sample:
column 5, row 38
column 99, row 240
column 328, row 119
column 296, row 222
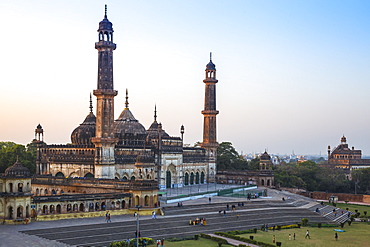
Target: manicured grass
column 358, row 234
column 352, row 207
column 201, row 242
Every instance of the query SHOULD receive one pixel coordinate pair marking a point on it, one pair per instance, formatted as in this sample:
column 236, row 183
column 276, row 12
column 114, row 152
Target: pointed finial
column 91, row 107
column 126, row 103
column 210, row 56
column 155, row 113
column 105, row 15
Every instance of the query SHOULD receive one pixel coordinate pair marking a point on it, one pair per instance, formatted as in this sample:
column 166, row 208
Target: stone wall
column 341, row 196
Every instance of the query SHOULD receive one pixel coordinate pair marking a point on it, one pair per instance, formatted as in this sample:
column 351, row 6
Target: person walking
column 294, row 236
column 224, row 213
column 108, row 219
column 307, row 235
column 336, row 236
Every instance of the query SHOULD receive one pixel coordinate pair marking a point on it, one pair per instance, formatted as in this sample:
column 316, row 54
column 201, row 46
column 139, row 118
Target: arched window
column 137, row 201
column 133, row 178
column 146, row 201
column 186, row 178
column 202, row 178
column 192, row 178
column 10, row 187
column 59, row 209
column 168, row 179
column 262, row 182
column 52, row 209
column 59, row 175
column 197, row 178
column 123, row 203
column 37, row 191
column 82, row 207
column 89, row 175
column 69, row 207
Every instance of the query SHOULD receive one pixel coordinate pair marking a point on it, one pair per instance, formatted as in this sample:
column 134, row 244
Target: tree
column 361, row 178
column 10, row 152
column 228, row 158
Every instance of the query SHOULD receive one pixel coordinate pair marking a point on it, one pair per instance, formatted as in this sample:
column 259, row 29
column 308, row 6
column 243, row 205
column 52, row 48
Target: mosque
column 123, row 149
column 110, row 164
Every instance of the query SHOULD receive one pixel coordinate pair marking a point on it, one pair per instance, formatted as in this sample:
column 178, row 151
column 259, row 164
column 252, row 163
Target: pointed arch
column 89, row 175
column 186, row 182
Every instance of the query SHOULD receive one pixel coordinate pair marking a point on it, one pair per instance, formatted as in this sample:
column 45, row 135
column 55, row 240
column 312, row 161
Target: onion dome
column 265, row 156
column 105, row 24
column 153, row 130
column 17, row 170
column 128, row 129
column 82, row 134
column 211, row 66
column 343, row 139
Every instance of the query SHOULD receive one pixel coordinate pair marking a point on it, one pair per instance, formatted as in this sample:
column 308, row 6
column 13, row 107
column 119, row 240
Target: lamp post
column 137, row 224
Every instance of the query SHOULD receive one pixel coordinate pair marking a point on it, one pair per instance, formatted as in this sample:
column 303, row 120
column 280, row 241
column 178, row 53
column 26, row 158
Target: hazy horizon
column 293, row 75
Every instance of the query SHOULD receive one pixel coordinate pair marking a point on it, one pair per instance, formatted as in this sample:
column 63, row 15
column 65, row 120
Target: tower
column 209, row 125
column 104, row 139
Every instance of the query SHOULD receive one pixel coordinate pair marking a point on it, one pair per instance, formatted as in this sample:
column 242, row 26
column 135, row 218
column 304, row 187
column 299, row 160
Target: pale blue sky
column 293, row 75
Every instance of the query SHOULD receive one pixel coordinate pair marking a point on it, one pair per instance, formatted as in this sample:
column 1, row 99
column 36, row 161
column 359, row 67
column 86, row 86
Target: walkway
column 233, row 241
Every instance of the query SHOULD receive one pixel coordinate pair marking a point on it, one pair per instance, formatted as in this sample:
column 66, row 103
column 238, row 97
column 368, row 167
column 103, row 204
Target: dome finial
column 91, row 107
column 126, row 103
column 210, row 56
column 105, row 15
column 155, row 113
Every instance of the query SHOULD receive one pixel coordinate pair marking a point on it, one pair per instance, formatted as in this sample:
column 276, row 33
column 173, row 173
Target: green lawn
column 358, row 234
column 352, row 207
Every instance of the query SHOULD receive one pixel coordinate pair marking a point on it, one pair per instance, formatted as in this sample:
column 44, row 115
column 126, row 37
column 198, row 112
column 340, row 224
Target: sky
column 293, row 76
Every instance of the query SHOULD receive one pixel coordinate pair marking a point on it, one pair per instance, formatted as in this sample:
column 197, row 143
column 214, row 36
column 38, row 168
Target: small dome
column 153, row 131
column 17, row 170
column 39, row 126
column 265, row 156
column 211, row 66
column 83, row 133
column 343, row 139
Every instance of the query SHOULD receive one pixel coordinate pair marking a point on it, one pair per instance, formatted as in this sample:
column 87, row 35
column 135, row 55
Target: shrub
column 304, row 221
column 251, row 237
column 319, row 225
column 349, row 222
column 278, row 243
column 278, row 227
column 365, row 213
column 196, row 236
column 255, row 230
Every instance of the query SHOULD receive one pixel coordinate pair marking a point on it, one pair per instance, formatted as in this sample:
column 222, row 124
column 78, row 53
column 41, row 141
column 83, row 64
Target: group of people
column 179, row 204
column 198, row 221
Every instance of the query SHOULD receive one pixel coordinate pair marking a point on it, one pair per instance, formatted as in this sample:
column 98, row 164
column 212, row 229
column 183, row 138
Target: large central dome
column 129, row 131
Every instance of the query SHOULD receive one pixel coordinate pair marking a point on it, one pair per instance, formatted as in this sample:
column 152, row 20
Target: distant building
column 347, row 159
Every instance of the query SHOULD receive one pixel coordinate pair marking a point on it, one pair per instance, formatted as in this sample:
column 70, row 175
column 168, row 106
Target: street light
column 137, row 224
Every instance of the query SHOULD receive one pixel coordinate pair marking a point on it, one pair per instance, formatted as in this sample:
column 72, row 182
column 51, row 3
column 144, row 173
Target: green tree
column 10, row 152
column 228, row 158
column 361, row 179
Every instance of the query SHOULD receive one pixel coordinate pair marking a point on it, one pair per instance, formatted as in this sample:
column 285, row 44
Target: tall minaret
column 209, row 128
column 104, row 138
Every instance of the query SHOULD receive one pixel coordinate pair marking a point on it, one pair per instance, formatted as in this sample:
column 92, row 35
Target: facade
column 347, row 159
column 15, row 193
column 107, row 148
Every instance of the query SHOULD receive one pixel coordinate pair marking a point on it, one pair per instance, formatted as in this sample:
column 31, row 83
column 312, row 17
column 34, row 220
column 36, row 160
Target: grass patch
column 355, row 235
column 352, row 207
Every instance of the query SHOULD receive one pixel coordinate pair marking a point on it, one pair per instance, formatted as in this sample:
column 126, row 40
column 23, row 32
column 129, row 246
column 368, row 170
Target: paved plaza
column 96, row 232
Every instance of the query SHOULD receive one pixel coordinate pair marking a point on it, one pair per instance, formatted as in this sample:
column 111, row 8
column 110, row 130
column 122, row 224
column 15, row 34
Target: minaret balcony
column 105, row 45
